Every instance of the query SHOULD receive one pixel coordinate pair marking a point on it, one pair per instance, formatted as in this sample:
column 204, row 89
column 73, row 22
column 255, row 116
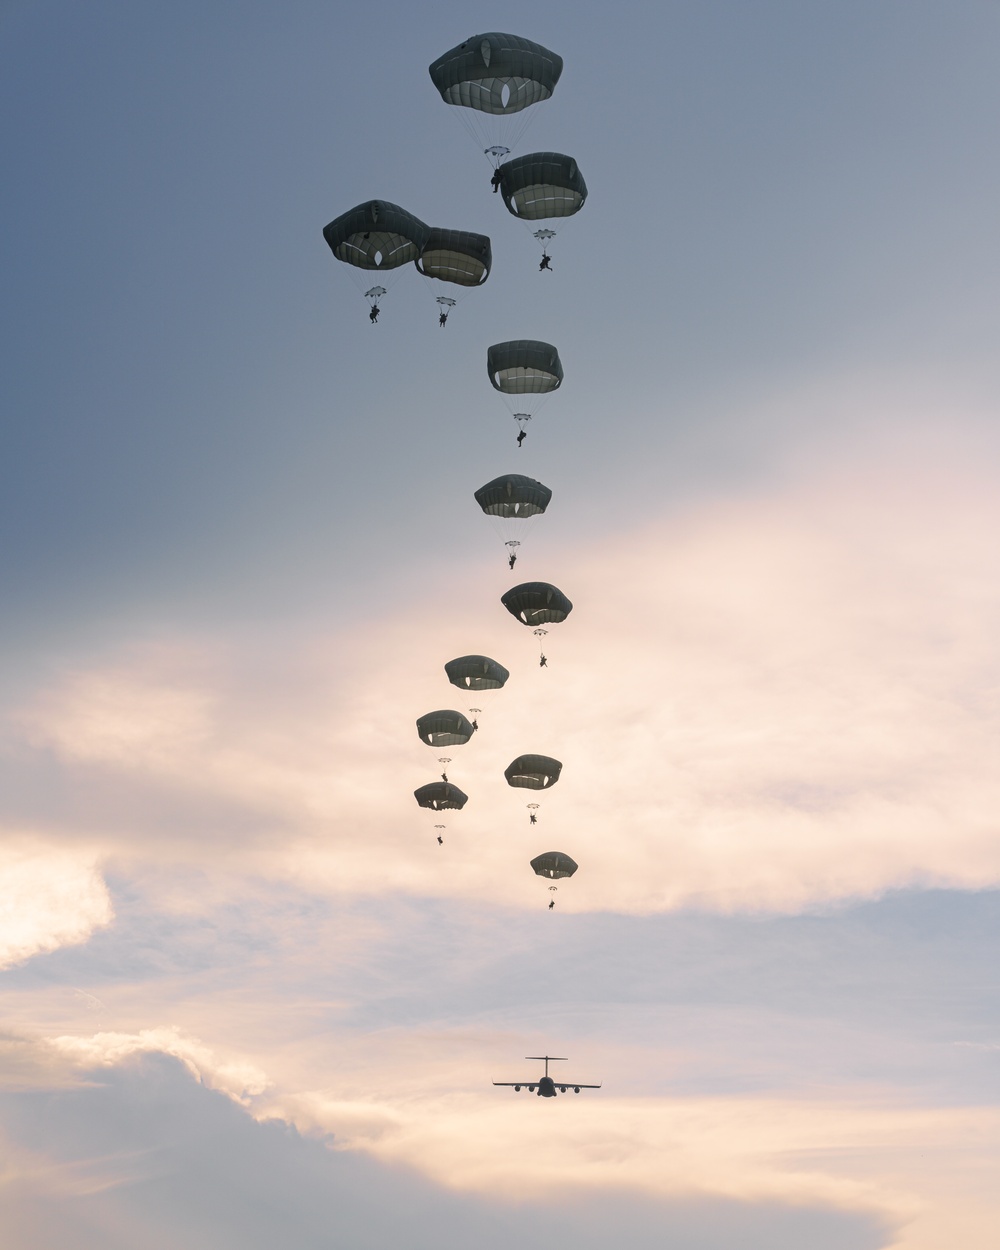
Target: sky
column 247, row 999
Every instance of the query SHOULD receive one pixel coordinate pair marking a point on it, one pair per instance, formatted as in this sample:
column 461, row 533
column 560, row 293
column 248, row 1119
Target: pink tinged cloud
column 770, row 703
column 50, row 896
column 919, row 1169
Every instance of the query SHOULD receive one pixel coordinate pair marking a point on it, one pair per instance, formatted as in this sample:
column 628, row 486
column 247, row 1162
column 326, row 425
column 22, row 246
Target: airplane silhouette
column 545, row 1086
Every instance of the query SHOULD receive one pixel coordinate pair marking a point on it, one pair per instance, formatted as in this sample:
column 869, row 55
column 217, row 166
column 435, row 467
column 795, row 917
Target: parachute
column 524, row 367
column 440, row 796
column 544, row 236
column 525, row 372
column 537, row 603
column 539, row 186
column 554, row 865
column 542, row 185
column 476, row 672
column 533, row 772
column 445, row 305
column 509, row 501
column 492, row 78
column 456, row 256
column 374, row 294
column 445, row 728
column 376, row 235
column 513, row 497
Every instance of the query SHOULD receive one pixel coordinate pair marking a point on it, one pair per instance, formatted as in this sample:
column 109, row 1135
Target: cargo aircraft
column 545, row 1086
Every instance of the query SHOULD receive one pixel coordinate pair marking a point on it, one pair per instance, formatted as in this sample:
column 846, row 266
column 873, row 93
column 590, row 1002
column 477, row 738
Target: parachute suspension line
column 533, row 398
column 496, row 134
column 374, row 294
column 488, row 132
column 516, row 125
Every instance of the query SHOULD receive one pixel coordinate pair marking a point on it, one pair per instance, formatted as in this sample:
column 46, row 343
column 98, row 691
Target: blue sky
column 241, row 543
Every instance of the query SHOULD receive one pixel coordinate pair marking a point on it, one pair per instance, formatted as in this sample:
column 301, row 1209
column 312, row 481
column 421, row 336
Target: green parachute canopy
column 509, row 502
column 476, row 672
column 524, row 367
column 554, row 864
column 537, row 603
column 444, row 728
column 533, row 772
column 376, row 235
column 496, row 73
column 541, row 185
column 513, row 496
column 441, row 796
column 456, row 256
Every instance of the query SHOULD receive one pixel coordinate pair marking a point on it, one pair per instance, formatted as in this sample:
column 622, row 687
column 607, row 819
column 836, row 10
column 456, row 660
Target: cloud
column 50, row 896
column 144, row 1156
column 766, row 703
column 239, row 1080
column 866, row 1153
column 799, row 1097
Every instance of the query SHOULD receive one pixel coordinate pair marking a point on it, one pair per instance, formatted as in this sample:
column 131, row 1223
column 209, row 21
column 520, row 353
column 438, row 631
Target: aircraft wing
column 557, row 1084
